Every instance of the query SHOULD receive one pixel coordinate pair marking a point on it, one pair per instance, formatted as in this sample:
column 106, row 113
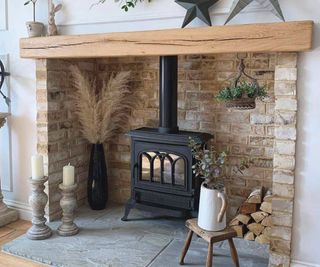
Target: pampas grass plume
column 105, row 114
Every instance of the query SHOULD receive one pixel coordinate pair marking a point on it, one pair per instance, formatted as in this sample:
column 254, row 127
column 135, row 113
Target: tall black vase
column 97, row 178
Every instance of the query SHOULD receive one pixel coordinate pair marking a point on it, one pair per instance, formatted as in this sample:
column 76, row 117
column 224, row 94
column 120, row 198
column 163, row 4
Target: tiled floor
column 104, row 240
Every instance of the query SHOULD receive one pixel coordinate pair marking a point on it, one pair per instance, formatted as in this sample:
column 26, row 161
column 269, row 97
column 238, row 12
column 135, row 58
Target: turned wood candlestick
column 38, row 201
column 68, row 204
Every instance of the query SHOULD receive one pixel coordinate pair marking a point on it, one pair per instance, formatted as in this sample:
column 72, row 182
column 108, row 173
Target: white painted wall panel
column 88, row 12
column 3, row 15
column 5, row 136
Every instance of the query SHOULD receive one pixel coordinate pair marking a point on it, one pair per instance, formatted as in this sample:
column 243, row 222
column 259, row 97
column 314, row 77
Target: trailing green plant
column 242, row 90
column 126, row 4
column 33, row 2
column 210, row 164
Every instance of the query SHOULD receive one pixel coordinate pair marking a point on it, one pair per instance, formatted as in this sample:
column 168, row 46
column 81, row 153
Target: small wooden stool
column 211, row 238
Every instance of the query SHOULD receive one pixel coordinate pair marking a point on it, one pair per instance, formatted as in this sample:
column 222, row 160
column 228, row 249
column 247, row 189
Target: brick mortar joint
column 200, row 80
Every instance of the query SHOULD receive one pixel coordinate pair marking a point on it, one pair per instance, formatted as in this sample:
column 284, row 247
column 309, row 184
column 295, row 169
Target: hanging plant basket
column 242, row 92
column 241, row 103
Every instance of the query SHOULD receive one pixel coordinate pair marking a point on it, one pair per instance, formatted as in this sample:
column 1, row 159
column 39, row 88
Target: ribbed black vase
column 97, row 178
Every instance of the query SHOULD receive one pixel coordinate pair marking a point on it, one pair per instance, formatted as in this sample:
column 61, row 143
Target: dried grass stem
column 104, row 114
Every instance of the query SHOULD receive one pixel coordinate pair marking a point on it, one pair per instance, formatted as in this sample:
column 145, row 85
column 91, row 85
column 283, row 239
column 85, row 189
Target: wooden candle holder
column 68, row 204
column 38, row 201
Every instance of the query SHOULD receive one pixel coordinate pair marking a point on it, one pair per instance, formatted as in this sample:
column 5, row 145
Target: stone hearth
column 104, row 240
column 267, row 133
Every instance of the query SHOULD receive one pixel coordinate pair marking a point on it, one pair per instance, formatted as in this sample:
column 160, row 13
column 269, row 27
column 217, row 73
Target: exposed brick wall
column 59, row 139
column 267, row 133
column 242, row 133
column 284, row 159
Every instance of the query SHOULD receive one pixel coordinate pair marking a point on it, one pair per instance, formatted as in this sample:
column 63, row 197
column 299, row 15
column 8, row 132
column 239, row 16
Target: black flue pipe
column 168, row 94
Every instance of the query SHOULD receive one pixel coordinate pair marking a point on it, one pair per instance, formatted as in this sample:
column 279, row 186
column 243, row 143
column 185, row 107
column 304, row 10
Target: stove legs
column 130, row 205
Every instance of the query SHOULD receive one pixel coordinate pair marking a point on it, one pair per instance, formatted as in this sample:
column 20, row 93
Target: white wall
column 22, row 85
column 77, row 17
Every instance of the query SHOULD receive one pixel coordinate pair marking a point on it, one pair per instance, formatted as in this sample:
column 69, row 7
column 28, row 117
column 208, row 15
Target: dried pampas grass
column 105, row 114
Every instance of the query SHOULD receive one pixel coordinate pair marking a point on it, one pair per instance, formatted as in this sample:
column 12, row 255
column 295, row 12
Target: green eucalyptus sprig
column 126, row 4
column 210, row 164
column 243, row 89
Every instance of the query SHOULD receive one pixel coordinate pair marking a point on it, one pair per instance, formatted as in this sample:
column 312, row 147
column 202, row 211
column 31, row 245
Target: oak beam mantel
column 267, row 37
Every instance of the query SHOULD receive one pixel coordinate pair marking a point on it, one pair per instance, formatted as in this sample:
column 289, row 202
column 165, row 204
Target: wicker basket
column 242, row 103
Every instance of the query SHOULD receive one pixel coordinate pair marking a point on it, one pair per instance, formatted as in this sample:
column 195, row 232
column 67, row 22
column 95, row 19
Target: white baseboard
column 296, row 263
column 24, row 210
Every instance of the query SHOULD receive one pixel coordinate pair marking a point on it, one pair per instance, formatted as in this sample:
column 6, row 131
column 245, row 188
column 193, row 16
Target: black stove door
column 162, row 167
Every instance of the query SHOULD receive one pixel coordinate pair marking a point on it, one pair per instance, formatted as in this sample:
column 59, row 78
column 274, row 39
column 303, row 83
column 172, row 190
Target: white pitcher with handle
column 212, row 209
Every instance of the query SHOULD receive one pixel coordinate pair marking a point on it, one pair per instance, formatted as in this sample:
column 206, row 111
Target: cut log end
column 248, row 208
column 268, row 196
column 243, row 218
column 266, row 207
column 267, row 222
column 249, row 236
column 262, row 239
column 255, row 196
column 254, row 220
column 256, row 228
column 234, row 222
column 259, row 216
column 240, row 230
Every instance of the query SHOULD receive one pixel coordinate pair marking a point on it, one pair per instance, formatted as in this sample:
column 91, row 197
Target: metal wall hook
column 242, row 72
column 3, row 74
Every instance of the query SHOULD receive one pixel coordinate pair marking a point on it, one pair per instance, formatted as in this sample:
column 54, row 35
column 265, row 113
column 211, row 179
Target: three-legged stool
column 211, row 238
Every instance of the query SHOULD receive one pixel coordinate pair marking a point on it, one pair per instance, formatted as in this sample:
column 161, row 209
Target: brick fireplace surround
column 267, row 133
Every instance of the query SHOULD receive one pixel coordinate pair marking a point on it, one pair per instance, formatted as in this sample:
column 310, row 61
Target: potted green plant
column 242, row 95
column 213, row 202
column 35, row 29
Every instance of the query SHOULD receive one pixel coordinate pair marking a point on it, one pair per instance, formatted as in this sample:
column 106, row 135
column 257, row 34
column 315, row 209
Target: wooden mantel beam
column 268, row 37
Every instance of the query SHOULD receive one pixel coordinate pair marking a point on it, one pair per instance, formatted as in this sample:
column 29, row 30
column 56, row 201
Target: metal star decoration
column 196, row 9
column 239, row 5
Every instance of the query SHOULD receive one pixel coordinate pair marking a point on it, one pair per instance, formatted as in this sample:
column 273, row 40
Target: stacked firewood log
column 253, row 221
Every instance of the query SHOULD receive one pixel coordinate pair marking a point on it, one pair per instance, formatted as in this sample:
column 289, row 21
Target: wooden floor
column 8, row 233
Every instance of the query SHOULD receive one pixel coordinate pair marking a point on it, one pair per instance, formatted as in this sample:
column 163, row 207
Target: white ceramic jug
column 212, row 209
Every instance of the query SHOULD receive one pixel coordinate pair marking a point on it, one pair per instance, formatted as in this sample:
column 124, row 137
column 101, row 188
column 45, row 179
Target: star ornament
column 239, row 5
column 196, row 9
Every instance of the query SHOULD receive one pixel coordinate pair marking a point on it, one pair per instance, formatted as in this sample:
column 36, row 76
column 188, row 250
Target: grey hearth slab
column 104, row 240
column 197, row 254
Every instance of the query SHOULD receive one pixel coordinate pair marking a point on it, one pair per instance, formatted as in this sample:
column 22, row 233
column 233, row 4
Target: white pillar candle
column 37, row 167
column 68, row 175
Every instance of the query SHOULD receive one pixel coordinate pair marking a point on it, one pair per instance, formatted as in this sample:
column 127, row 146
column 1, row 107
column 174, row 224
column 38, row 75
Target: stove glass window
column 163, row 168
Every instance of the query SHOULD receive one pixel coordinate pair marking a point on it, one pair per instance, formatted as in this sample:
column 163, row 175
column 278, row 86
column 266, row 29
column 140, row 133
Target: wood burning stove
column 161, row 160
